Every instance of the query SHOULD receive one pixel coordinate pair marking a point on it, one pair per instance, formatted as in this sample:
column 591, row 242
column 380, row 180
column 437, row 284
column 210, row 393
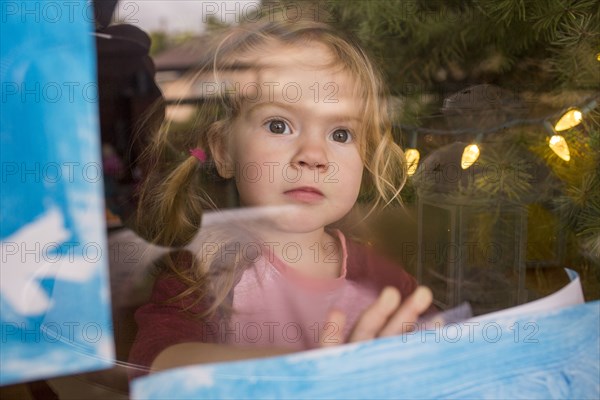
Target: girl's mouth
column 305, row 194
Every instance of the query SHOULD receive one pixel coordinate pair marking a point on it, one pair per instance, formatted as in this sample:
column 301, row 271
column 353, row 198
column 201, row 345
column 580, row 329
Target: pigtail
column 171, row 202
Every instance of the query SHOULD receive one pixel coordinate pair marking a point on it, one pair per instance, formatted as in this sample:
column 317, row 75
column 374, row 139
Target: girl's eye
column 278, row 126
column 341, row 136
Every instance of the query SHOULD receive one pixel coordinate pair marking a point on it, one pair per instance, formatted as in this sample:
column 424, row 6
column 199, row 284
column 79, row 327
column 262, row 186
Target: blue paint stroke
column 550, row 355
column 54, row 297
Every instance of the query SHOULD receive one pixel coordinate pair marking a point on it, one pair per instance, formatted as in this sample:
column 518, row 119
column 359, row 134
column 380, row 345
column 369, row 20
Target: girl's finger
column 374, row 318
column 332, row 332
column 404, row 319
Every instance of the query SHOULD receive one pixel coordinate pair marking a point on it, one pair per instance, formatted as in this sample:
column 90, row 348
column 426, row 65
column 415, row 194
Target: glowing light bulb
column 559, row 145
column 469, row 156
column 569, row 119
column 412, row 160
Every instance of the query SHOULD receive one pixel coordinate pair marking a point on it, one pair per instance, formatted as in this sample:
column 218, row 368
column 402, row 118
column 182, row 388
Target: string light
column 557, row 143
column 573, row 117
column 469, row 156
column 569, row 119
column 412, row 155
column 412, row 160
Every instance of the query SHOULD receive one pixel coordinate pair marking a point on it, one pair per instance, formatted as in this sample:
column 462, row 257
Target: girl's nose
column 311, row 153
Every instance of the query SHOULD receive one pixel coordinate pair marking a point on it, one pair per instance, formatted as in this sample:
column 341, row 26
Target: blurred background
column 496, row 104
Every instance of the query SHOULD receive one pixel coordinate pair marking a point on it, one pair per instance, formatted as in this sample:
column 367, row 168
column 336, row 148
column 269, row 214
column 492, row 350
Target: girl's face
column 295, row 140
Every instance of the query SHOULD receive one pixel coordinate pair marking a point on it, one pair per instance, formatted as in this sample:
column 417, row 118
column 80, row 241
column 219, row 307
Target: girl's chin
column 286, row 218
column 301, row 224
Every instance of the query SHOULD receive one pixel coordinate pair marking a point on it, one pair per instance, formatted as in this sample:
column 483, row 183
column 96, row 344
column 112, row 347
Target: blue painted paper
column 547, row 355
column 54, row 299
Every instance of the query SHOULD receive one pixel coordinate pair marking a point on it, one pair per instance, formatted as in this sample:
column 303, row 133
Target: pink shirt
column 274, row 305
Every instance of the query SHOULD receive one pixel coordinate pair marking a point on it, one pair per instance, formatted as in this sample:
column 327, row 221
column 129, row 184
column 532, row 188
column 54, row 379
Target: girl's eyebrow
column 261, row 104
column 289, row 107
column 236, row 66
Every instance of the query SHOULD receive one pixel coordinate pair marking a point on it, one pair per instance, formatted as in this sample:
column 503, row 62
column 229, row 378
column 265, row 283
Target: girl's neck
column 316, row 254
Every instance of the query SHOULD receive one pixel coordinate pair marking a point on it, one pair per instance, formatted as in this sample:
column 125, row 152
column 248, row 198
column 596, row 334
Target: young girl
column 300, row 123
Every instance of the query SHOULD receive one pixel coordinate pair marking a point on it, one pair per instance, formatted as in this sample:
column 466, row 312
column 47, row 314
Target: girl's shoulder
column 368, row 266
column 362, row 257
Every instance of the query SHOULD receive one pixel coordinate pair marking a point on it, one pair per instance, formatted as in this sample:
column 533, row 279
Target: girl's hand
column 387, row 316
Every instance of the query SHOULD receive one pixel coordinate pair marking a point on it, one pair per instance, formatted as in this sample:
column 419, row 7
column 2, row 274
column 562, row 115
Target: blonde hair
column 172, row 197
